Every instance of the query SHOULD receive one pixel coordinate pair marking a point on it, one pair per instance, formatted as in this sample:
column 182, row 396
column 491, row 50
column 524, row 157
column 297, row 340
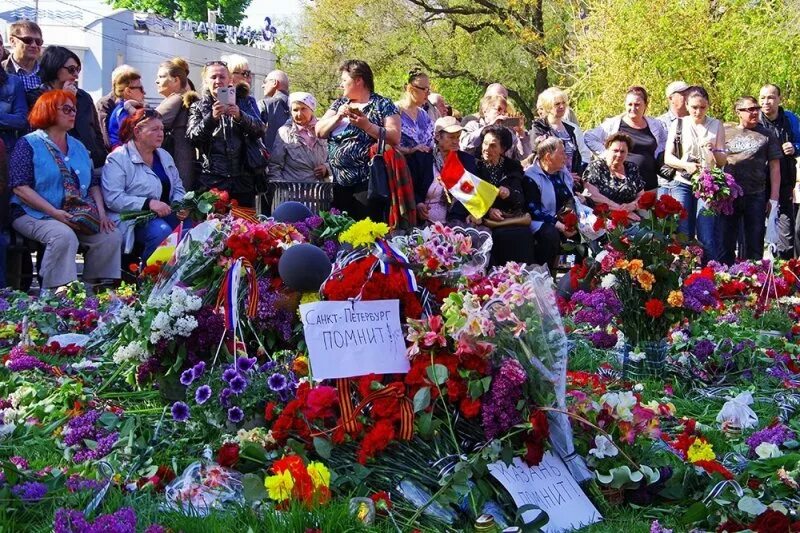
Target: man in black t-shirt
column 754, row 155
column 786, row 127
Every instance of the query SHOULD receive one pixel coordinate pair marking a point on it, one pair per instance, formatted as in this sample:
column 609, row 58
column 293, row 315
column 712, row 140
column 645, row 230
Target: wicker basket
column 316, row 195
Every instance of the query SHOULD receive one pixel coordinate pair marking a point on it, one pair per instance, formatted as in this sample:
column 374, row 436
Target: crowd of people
column 70, row 166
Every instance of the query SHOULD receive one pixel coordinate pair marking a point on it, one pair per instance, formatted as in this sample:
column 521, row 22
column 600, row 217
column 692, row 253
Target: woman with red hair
column 57, row 201
column 140, row 175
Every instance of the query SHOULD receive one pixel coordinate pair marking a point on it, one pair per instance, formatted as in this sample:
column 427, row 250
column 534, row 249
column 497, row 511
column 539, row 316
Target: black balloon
column 290, row 212
column 304, row 267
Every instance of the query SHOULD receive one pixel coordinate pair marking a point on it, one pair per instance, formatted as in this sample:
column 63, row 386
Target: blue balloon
column 304, row 267
column 291, row 212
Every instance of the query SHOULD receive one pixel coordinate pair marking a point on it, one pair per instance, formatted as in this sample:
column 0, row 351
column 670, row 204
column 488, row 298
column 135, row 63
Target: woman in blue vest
column 46, row 167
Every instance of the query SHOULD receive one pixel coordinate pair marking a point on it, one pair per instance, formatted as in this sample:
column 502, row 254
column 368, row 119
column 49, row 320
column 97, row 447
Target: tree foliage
column 464, row 45
column 232, row 11
column 731, row 47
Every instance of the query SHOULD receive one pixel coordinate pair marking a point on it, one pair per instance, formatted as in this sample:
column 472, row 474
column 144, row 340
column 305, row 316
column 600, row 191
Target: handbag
column 256, row 155
column 509, row 221
column 378, row 185
column 665, row 171
column 84, row 215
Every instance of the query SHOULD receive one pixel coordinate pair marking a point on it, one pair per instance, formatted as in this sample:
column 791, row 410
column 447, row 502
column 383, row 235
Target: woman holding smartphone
column 352, row 125
column 219, row 129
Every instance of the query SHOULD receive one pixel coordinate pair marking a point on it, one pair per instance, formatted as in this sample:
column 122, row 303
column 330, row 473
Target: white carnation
column 609, row 281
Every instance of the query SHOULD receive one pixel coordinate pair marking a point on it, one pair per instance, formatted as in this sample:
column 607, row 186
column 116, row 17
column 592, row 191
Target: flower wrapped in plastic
column 718, row 190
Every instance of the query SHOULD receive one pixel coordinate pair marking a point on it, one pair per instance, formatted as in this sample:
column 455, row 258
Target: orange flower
column 635, row 267
column 675, row 298
column 646, row 280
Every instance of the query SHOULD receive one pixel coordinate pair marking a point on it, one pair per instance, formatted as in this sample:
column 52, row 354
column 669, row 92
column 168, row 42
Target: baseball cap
column 676, row 87
column 447, row 124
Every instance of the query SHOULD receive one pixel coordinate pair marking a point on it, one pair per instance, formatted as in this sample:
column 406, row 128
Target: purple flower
column 703, row 349
column 699, row 295
column 229, row 374
column 277, row 382
column 598, row 307
column 499, row 410
column 30, row 492
column 270, row 314
column 202, row 394
column 245, row 364
column 76, row 483
column 148, row 369
column 603, row 339
column 777, row 434
column 235, row 414
column 199, row 369
column 225, row 397
column 155, row 528
column 73, row 521
column 238, row 384
column 187, row 377
column 20, row 462
column 180, row 412
column 266, row 367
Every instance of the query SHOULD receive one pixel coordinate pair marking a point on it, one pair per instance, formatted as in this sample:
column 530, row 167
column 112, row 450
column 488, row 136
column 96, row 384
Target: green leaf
column 254, row 490
column 108, row 420
column 425, row 425
column 422, row 399
column 437, row 373
column 695, row 513
column 507, row 455
column 323, row 447
column 751, row 506
column 204, row 207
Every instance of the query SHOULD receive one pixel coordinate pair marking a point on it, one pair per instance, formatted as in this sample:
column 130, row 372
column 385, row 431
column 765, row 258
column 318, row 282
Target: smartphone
column 511, row 123
column 226, row 95
column 356, row 111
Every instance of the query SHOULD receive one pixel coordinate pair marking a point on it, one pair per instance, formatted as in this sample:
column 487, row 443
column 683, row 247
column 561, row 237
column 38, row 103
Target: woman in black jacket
column 220, row 129
column 60, row 68
column 512, row 237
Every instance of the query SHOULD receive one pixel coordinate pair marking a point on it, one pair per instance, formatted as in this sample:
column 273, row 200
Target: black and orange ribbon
column 349, row 413
column 247, row 213
column 228, row 297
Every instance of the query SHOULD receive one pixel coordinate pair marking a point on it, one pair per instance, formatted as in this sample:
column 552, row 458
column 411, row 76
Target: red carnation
column 320, row 402
column 470, row 408
column 647, row 200
column 382, row 500
column 771, row 521
column 619, row 217
column 228, row 454
column 536, row 437
column 654, row 307
column 269, row 411
column 570, row 220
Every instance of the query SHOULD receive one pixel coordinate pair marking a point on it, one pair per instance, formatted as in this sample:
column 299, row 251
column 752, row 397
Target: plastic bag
column 586, row 221
column 772, row 237
column 204, row 486
column 737, row 412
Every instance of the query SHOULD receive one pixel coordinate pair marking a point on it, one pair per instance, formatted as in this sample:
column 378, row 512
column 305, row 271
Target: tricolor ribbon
column 228, row 297
column 349, row 414
column 387, row 254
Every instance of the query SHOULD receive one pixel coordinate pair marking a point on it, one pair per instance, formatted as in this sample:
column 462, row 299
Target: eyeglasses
column 245, row 73
column 68, row 109
column 749, row 109
column 423, row 89
column 29, row 40
column 216, row 62
column 73, row 70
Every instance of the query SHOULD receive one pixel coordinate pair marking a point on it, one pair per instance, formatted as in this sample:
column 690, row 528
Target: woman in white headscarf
column 298, row 154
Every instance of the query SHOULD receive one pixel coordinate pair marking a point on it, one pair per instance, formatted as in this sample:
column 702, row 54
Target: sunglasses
column 29, row 40
column 73, row 70
column 245, row 73
column 423, row 89
column 68, row 109
column 216, row 62
column 749, row 109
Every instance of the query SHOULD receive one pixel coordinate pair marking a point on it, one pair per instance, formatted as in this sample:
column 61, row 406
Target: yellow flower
column 8, row 331
column 621, row 263
column 700, row 451
column 675, row 298
column 279, row 487
column 646, row 280
column 635, row 266
column 363, row 233
column 309, row 298
column 319, row 473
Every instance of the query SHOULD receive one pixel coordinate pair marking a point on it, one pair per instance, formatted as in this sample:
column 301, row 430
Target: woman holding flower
column 613, row 180
column 140, row 175
column 702, row 146
column 548, row 187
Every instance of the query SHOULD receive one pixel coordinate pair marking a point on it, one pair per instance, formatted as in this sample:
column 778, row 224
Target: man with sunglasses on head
column 26, row 48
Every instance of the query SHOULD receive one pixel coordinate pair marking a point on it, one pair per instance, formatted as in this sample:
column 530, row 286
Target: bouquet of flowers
column 717, row 189
column 197, row 205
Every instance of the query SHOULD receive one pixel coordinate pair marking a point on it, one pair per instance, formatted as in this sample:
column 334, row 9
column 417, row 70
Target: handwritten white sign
column 348, row 339
column 550, row 487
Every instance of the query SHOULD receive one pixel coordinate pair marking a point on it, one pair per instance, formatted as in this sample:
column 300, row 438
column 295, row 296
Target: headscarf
column 304, row 98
